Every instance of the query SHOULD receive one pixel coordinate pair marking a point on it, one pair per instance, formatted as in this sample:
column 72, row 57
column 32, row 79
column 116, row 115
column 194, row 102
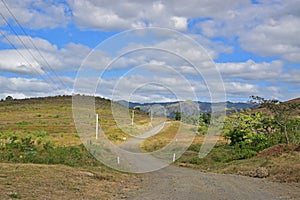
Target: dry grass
column 31, row 181
column 281, row 168
column 161, row 139
column 164, row 137
column 53, row 115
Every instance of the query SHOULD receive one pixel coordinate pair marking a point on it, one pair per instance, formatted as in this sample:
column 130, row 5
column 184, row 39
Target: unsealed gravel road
column 182, row 183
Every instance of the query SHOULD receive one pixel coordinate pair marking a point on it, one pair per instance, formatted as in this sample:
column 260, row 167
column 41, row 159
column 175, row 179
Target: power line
column 29, row 38
column 3, row 35
column 50, row 85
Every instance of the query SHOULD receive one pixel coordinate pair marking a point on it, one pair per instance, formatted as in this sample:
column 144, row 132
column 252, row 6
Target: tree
column 243, row 127
column 9, row 98
column 282, row 112
column 204, row 121
column 177, row 116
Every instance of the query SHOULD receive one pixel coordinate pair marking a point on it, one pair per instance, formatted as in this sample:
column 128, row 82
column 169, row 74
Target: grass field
column 35, row 181
column 52, row 117
column 42, row 131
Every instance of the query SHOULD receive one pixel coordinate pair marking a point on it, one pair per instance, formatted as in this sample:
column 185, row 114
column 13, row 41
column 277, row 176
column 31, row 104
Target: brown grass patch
column 31, row 181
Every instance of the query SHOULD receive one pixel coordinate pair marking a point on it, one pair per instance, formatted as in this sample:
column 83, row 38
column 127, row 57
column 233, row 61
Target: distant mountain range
column 170, row 108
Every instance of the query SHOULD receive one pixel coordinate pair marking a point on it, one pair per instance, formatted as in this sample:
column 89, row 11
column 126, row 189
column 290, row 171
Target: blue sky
column 255, row 47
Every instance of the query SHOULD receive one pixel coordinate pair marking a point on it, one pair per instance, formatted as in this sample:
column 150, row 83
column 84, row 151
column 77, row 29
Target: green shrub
column 194, row 147
column 15, row 196
column 21, row 123
column 27, row 150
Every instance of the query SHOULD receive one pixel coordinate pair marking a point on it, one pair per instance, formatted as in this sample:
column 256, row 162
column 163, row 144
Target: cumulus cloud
column 251, row 70
column 12, row 61
column 37, row 14
column 267, row 29
column 116, row 15
column 258, row 25
column 242, row 91
column 29, row 87
column 44, row 57
column 275, row 38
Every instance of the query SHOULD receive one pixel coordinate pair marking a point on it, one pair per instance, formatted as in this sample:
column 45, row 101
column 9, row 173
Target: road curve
column 179, row 183
column 139, row 162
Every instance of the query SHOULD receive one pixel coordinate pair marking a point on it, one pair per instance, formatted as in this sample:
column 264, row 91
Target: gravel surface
column 179, row 183
column 182, row 183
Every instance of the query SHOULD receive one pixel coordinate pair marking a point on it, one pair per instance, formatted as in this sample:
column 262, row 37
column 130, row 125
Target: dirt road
column 182, row 183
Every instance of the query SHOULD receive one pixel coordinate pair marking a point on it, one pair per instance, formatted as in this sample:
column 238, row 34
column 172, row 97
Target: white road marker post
column 118, row 160
column 151, row 116
column 132, row 118
column 97, row 127
column 174, row 157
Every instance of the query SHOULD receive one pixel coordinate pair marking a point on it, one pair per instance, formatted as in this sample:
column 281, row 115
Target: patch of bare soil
column 278, row 150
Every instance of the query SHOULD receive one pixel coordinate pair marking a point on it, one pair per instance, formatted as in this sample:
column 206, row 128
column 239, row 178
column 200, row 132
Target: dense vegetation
column 35, row 148
column 253, row 131
column 249, row 132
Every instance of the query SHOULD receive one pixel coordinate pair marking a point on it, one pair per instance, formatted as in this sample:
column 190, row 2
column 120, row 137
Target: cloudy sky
column 205, row 49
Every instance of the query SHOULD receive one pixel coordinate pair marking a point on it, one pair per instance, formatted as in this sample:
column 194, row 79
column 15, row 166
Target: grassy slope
column 52, row 118
column 53, row 115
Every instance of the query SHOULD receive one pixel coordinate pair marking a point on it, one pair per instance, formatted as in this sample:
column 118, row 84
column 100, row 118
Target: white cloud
column 12, row 61
column 66, row 59
column 28, row 87
column 179, row 23
column 270, row 28
column 37, row 14
column 267, row 29
column 31, row 43
column 251, row 70
column 275, row 38
column 242, row 91
column 117, row 15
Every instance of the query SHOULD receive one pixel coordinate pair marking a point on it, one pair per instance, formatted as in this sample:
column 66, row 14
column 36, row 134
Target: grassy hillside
column 42, row 131
column 52, row 118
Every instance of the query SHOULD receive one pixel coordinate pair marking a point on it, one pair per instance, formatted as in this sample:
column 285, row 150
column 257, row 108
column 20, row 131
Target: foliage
column 245, row 129
column 20, row 148
column 177, row 116
column 9, row 98
column 204, row 121
column 282, row 112
column 221, row 153
column 15, row 196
